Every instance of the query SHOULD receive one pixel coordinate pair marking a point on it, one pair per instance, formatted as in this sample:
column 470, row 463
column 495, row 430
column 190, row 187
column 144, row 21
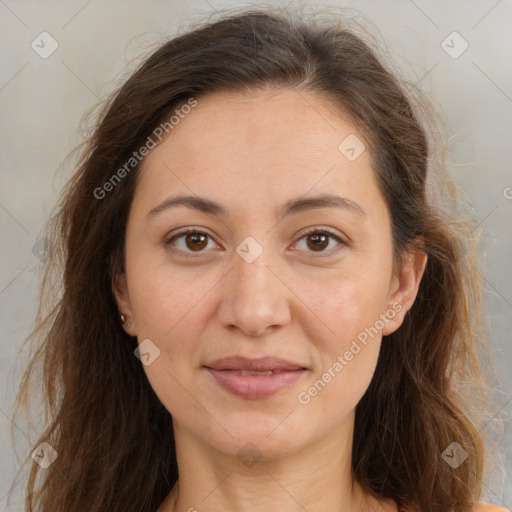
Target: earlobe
column 122, row 299
column 405, row 288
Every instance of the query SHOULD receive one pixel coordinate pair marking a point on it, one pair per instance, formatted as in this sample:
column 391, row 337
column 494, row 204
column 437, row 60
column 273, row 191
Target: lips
column 263, row 364
column 254, row 378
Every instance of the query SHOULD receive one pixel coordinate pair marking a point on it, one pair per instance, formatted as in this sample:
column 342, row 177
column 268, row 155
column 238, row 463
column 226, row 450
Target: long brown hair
column 113, row 436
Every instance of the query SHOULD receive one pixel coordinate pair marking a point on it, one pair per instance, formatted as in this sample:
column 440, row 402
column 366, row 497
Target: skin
column 252, row 153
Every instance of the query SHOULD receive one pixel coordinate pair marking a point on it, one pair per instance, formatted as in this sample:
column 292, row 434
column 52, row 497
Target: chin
column 267, row 437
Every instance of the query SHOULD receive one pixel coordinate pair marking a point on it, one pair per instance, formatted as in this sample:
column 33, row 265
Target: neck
column 318, row 477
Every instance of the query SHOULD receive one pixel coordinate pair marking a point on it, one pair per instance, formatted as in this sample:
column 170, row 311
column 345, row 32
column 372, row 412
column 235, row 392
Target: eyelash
column 168, row 241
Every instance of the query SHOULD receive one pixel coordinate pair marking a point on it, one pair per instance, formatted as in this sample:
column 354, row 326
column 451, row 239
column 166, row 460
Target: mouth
column 255, row 378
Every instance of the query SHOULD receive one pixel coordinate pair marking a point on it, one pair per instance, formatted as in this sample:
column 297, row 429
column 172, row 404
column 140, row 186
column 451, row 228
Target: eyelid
column 323, row 229
column 167, row 242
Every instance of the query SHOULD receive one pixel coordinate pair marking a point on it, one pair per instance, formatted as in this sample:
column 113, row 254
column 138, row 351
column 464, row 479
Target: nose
column 254, row 297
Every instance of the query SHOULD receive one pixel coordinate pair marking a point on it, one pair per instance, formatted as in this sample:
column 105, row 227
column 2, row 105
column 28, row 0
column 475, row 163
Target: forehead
column 286, row 121
column 269, row 144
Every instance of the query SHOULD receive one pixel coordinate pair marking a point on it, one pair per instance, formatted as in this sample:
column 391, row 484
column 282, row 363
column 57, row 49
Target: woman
column 260, row 294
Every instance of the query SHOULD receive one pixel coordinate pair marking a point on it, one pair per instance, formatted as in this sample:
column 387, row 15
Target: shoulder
column 486, row 507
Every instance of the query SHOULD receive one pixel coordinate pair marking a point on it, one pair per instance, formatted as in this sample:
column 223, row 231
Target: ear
column 404, row 288
column 122, row 298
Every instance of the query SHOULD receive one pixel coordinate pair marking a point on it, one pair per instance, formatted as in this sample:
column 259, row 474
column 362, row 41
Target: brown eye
column 188, row 241
column 318, row 241
column 196, row 241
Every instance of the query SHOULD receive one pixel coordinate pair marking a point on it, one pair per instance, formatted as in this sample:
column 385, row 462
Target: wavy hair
column 112, row 434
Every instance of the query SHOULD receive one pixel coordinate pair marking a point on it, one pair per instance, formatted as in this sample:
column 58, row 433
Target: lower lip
column 255, row 386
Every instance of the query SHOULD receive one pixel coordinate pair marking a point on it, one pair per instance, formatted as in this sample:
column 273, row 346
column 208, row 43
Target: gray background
column 43, row 100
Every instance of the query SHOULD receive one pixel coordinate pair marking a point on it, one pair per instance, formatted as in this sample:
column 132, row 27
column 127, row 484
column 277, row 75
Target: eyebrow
column 291, row 207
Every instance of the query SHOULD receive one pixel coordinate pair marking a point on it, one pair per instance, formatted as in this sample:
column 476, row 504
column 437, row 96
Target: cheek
column 348, row 351
column 349, row 300
column 349, row 305
column 169, row 309
column 164, row 297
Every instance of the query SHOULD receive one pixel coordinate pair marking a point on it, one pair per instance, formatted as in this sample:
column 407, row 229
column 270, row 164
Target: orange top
column 479, row 507
column 486, row 507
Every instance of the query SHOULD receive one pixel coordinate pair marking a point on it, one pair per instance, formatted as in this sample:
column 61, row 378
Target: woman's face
column 289, row 259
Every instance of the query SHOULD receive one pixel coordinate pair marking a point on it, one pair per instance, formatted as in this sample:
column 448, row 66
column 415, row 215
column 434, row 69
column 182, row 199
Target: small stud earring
column 122, row 319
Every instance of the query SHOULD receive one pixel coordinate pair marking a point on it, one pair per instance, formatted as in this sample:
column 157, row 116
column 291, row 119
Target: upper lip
column 261, row 364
